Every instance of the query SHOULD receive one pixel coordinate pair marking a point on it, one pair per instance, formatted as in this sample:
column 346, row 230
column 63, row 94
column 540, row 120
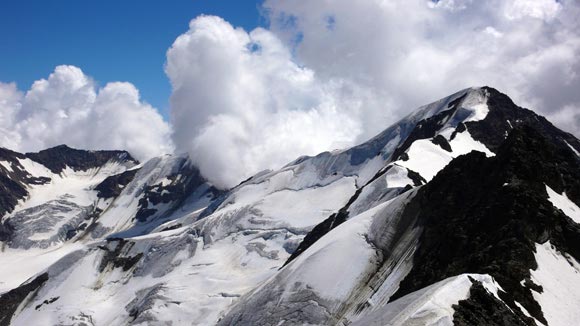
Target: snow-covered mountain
column 465, row 212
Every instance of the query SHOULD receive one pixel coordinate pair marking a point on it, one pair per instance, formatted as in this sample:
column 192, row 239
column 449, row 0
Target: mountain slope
column 478, row 215
column 409, row 227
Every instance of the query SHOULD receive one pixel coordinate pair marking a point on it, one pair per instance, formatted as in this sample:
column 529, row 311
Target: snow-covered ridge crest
column 430, row 306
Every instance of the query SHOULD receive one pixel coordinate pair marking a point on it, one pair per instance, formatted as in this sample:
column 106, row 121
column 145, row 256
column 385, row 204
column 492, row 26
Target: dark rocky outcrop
column 485, row 215
column 10, row 300
column 58, row 158
column 180, row 186
column 416, row 178
column 483, row 308
column 114, row 257
column 441, row 142
column 112, row 186
column 504, row 115
column 6, row 231
column 13, row 183
column 10, row 192
column 46, row 302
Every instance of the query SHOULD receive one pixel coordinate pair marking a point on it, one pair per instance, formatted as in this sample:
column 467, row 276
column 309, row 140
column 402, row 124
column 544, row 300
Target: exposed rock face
column 484, row 215
column 113, row 258
column 480, row 214
column 178, row 186
column 482, row 308
column 112, row 186
column 59, row 157
column 502, row 118
column 11, row 300
column 14, row 180
column 504, row 115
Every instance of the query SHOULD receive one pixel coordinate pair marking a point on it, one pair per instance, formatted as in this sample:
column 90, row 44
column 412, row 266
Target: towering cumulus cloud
column 67, row 108
column 241, row 104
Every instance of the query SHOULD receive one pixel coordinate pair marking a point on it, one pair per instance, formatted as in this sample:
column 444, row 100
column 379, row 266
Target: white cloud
column 409, row 52
column 567, row 118
column 331, row 73
column 241, row 104
column 10, row 102
column 542, row 9
column 68, row 108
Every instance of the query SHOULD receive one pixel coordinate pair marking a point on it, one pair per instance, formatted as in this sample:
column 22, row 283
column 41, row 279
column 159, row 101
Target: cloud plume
column 241, row 104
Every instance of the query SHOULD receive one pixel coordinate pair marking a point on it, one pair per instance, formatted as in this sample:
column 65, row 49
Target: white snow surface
column 563, row 203
column 427, row 158
column 346, row 250
column 304, row 207
column 559, row 276
column 397, row 177
column 195, row 272
column 18, row 265
column 430, row 306
column 334, row 272
column 476, row 103
column 74, row 185
column 7, row 165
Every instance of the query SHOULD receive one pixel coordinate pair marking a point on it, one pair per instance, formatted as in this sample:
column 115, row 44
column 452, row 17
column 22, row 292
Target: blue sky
column 111, row 40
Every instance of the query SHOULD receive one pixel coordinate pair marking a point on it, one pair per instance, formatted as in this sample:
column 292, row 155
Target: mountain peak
column 59, row 157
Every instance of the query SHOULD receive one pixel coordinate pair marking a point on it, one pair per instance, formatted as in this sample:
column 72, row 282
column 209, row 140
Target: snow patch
column 572, row 148
column 309, row 206
column 476, row 102
column 563, row 203
column 463, row 143
column 559, row 276
column 7, row 165
column 428, row 159
column 18, row 265
column 345, row 249
column 397, row 177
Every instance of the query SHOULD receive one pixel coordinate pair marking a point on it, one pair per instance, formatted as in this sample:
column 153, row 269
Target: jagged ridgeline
column 465, row 212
